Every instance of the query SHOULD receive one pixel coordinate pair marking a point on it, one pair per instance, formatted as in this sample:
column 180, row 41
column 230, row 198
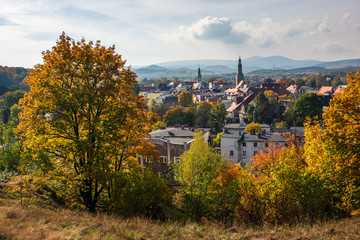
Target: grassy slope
column 34, row 222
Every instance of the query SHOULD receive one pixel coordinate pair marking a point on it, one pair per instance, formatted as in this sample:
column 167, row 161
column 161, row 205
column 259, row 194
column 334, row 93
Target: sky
column 147, row 32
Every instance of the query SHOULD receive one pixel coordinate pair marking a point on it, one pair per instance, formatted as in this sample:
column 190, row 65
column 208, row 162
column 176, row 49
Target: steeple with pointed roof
column 240, row 76
column 199, row 78
column 199, row 84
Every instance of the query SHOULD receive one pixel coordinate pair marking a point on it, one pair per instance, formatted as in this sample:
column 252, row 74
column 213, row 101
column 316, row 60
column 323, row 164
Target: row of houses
column 236, row 144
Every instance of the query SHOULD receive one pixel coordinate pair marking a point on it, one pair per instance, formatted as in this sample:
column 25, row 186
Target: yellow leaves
column 332, row 153
column 185, row 99
column 253, row 127
column 284, row 97
column 82, row 110
column 263, row 162
column 271, row 94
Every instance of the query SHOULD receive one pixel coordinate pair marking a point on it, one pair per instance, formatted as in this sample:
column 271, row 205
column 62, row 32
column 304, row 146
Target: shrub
column 142, row 193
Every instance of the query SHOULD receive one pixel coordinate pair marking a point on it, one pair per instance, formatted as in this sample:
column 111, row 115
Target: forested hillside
column 12, row 76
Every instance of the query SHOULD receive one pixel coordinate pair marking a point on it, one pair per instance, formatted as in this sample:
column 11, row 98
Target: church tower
column 199, row 78
column 240, row 76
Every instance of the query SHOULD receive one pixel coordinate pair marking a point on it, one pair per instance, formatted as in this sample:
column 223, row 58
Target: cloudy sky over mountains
column 151, row 31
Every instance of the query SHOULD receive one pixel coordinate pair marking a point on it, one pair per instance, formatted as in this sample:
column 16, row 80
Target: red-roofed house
column 293, row 88
column 340, row 89
column 325, row 90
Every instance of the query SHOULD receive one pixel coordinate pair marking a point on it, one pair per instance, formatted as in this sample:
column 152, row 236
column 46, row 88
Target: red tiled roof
column 325, row 89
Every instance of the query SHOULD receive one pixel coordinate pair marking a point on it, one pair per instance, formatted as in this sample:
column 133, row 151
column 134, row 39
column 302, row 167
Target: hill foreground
column 36, row 221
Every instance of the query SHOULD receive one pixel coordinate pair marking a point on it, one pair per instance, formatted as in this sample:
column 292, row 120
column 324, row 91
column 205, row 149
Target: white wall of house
column 230, row 148
column 250, row 148
column 241, row 148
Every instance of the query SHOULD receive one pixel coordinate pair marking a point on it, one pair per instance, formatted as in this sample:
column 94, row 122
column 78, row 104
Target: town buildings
column 240, row 146
column 171, row 142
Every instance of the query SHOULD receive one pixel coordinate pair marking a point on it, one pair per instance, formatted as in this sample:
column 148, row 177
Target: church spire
column 240, row 76
column 199, row 78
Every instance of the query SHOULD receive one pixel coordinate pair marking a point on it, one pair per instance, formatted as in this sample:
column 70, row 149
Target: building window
column 163, row 159
column 244, row 153
column 231, row 153
column 255, row 152
column 146, row 159
column 244, row 144
column 255, row 144
column 177, row 160
column 266, row 144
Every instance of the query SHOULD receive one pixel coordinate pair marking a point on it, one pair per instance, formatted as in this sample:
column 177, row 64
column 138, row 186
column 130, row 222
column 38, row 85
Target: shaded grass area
column 39, row 222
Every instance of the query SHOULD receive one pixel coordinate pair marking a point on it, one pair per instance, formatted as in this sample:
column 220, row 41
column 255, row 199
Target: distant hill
column 188, row 68
column 252, row 63
column 278, row 62
column 341, row 64
column 194, row 64
column 150, row 69
column 219, row 69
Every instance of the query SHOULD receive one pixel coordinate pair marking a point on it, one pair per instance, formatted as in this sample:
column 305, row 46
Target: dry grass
column 34, row 222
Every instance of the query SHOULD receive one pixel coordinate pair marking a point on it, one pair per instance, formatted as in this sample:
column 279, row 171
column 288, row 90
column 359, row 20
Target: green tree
column 300, row 82
column 141, row 192
column 82, row 111
column 189, row 117
column 217, row 117
column 9, row 99
column 250, row 113
column 262, row 110
column 268, row 80
column 185, row 99
column 203, row 114
column 289, row 115
column 197, row 171
column 217, row 140
column 10, row 150
column 336, row 81
column 308, row 105
column 174, row 116
column 162, row 108
column 153, row 105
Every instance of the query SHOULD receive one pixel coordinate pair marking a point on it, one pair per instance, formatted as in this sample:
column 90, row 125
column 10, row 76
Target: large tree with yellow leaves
column 82, row 111
column 334, row 152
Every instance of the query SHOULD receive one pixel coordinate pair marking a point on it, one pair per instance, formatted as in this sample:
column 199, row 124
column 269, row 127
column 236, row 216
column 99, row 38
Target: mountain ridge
column 221, row 66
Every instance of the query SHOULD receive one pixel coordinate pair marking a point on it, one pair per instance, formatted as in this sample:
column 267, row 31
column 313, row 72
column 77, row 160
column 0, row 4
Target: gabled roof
column 237, row 88
column 233, row 107
column 340, row 89
column 199, row 85
column 325, row 90
column 245, row 102
column 293, row 88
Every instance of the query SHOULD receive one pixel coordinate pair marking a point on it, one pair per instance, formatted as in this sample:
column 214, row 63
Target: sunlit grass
column 35, row 222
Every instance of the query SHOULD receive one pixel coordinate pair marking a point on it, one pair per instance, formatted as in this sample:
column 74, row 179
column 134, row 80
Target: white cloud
column 263, row 33
column 324, row 25
column 330, row 47
column 345, row 18
column 209, row 29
